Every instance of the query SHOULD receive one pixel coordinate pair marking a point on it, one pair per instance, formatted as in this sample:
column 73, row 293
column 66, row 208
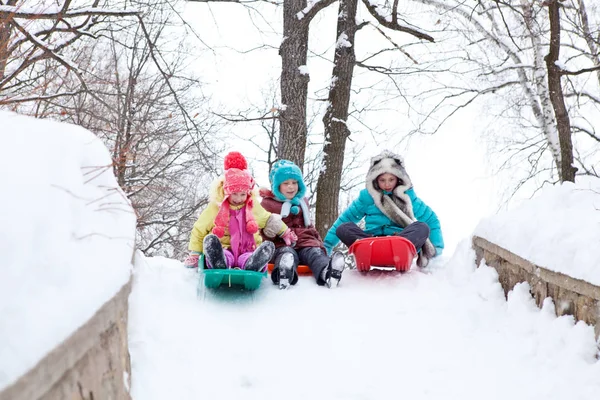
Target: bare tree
column 32, row 33
column 146, row 108
column 508, row 44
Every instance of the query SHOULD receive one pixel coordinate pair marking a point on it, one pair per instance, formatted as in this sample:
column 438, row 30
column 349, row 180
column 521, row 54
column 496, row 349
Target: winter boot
column 260, row 257
column 213, row 251
column 334, row 269
column 285, row 269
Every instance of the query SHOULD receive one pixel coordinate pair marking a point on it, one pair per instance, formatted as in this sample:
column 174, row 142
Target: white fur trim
column 386, row 163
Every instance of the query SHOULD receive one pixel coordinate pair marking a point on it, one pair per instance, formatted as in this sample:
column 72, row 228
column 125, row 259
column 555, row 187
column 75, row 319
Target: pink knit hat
column 237, row 179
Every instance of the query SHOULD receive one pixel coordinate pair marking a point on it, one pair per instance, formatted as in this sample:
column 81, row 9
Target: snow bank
column 66, row 240
column 559, row 229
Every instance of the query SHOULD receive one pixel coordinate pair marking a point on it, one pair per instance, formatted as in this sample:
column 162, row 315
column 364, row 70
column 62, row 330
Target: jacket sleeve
column 354, row 213
column 263, row 219
column 202, row 227
column 425, row 214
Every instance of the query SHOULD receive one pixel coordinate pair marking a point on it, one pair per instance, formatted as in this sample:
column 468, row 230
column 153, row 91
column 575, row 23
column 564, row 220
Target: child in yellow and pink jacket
column 227, row 231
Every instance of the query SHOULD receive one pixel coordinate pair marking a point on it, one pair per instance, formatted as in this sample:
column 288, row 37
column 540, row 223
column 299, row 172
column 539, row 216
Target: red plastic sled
column 386, row 251
column 302, row 269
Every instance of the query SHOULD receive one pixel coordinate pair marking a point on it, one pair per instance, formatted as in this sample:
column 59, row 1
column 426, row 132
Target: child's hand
column 289, row 237
column 191, row 261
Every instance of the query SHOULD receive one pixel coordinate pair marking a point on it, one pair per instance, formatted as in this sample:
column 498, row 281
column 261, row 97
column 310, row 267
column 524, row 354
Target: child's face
column 237, row 199
column 387, row 182
column 289, row 188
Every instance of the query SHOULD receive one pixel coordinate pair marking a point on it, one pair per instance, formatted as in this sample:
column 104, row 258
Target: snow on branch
column 312, row 8
column 343, row 41
column 309, row 5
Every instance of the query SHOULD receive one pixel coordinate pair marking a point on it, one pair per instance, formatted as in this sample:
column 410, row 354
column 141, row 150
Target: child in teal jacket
column 389, row 206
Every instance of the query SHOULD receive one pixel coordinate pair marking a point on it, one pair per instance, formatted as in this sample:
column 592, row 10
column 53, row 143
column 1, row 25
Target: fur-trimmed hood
column 391, row 163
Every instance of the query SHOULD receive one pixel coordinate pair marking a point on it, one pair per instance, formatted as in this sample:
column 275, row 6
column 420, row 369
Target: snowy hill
column 446, row 335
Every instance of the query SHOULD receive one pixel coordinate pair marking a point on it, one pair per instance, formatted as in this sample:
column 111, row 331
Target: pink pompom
column 219, row 231
column 252, row 227
column 235, row 159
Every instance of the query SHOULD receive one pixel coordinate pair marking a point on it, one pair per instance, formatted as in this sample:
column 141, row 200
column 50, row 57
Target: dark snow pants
column 417, row 233
column 315, row 257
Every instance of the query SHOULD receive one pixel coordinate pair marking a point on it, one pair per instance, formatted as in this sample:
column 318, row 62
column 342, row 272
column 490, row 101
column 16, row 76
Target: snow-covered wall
column 67, row 235
column 552, row 242
column 558, row 229
column 569, row 296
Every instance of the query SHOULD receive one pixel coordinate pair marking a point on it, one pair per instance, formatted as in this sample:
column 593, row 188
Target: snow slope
column 445, row 335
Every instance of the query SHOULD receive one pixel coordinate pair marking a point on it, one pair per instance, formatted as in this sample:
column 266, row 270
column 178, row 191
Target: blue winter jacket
column 378, row 224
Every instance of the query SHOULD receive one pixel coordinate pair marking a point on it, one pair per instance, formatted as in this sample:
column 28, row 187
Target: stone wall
column 571, row 296
column 93, row 363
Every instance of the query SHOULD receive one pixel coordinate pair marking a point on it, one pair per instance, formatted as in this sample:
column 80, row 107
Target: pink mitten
column 191, row 261
column 289, row 237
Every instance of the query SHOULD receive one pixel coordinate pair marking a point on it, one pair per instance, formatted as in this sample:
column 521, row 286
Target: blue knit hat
column 281, row 171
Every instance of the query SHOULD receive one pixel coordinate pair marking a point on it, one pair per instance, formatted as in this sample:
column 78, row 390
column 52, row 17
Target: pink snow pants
column 231, row 261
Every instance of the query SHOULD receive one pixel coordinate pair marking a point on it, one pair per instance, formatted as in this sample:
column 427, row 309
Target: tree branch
column 321, row 4
column 579, row 72
column 246, row 119
column 394, row 25
column 11, row 12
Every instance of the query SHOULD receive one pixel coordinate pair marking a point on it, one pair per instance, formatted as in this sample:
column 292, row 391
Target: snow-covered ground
column 66, row 236
column 447, row 334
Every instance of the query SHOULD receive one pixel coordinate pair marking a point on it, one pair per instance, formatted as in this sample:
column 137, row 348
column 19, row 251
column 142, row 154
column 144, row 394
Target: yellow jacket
column 206, row 221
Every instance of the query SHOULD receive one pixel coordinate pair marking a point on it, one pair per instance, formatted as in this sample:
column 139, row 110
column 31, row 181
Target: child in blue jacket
column 389, row 206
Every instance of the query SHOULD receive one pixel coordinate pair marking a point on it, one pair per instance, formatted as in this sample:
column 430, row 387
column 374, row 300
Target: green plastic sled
column 215, row 278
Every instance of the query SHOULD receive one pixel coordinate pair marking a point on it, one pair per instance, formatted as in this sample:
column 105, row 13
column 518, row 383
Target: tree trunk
column 336, row 130
column 546, row 118
column 556, row 95
column 5, row 30
column 294, row 84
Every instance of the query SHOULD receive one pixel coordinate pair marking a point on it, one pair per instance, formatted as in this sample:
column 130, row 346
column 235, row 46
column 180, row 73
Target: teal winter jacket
column 378, row 224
